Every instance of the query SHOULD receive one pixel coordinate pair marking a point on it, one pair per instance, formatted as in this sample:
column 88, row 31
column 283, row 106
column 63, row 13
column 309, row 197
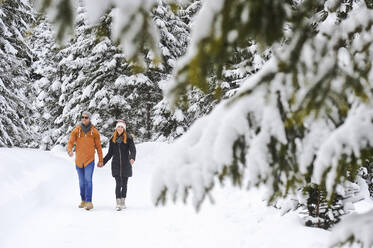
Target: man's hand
column 70, row 154
column 100, row 164
column 132, row 161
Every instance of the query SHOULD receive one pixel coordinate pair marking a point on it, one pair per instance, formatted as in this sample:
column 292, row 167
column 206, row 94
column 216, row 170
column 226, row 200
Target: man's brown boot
column 88, row 205
column 82, row 204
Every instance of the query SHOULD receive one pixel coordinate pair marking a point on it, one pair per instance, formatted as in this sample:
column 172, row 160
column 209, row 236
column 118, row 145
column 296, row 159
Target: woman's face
column 120, row 130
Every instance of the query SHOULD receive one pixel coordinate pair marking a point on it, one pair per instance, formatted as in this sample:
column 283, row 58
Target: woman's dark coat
column 121, row 153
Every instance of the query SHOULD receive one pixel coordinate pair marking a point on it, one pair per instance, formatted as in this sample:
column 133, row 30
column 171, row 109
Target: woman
column 123, row 151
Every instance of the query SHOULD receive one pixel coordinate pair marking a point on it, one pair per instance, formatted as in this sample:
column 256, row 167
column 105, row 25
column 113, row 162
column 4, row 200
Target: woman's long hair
column 115, row 135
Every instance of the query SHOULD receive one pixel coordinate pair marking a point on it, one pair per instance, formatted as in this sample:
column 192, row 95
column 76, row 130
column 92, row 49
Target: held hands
column 101, row 164
column 70, row 154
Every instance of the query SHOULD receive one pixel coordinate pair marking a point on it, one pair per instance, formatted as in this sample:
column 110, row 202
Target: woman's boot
column 119, row 205
column 123, row 203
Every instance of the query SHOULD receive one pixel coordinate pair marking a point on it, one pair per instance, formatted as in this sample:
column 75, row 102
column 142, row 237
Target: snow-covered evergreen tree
column 46, row 81
column 90, row 66
column 168, row 123
column 174, row 28
column 130, row 94
column 367, row 175
column 242, row 63
column 318, row 212
column 16, row 125
column 140, row 93
column 306, row 112
column 304, row 117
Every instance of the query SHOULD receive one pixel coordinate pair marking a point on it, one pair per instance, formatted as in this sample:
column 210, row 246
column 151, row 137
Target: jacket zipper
column 120, row 162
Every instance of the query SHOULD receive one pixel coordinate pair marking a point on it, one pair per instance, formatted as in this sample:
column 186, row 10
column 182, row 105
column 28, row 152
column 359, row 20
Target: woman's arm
column 109, row 154
column 132, row 149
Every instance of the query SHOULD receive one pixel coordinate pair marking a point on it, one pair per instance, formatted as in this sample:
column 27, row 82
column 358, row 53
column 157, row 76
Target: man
column 86, row 138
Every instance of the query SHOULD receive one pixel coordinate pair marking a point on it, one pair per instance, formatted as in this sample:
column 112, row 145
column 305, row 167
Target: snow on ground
column 39, row 197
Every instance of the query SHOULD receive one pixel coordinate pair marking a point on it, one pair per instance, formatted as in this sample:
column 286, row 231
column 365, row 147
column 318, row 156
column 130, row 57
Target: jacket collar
column 84, row 128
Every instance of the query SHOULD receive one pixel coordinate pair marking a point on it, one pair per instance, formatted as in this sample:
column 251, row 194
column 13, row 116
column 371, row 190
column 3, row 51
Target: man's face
column 85, row 119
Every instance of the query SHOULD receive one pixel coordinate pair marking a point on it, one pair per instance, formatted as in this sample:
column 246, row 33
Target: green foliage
column 16, row 122
column 348, row 168
column 238, row 22
column 367, row 174
column 369, row 3
column 64, row 19
column 215, row 50
column 235, row 171
column 143, row 38
column 318, row 72
column 103, row 29
column 319, row 211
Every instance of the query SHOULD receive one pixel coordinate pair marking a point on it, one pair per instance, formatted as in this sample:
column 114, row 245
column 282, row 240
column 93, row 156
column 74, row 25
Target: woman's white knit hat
column 121, row 123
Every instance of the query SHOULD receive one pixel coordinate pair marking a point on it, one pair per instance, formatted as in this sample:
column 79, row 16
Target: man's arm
column 71, row 142
column 99, row 149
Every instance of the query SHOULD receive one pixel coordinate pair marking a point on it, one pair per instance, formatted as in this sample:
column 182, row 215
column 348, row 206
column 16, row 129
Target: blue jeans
column 85, row 181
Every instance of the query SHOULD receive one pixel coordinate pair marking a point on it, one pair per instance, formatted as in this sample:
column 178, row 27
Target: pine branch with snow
column 16, row 123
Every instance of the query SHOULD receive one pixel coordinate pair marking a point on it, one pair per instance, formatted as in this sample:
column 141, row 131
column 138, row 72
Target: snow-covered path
column 39, row 198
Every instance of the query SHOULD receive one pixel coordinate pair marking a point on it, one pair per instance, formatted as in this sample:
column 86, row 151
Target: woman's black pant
column 121, row 187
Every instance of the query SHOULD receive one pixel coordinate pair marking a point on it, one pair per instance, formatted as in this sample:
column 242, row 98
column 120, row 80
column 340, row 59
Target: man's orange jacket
column 86, row 143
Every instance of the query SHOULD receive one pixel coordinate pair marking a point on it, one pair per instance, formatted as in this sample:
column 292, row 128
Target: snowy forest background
column 47, row 84
column 273, row 93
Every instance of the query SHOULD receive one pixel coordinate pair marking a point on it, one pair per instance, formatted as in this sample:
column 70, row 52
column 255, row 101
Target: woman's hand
column 132, row 161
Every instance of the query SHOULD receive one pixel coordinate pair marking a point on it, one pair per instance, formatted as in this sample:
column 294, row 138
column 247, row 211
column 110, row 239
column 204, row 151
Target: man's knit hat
column 87, row 113
column 121, row 123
